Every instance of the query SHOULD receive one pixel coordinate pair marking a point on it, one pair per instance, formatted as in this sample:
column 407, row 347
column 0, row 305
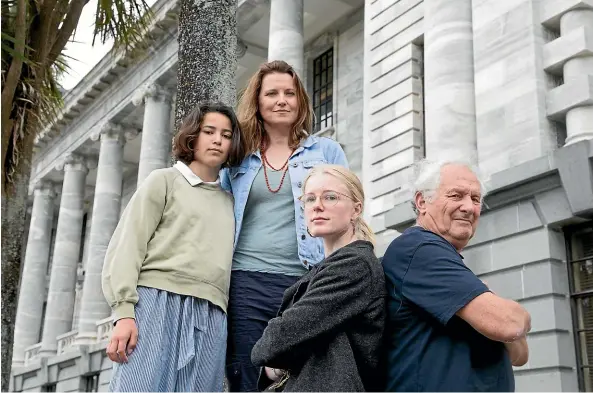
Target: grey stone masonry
column 393, row 126
column 510, row 83
column 156, row 129
column 32, row 297
column 106, row 207
column 286, row 33
column 579, row 120
column 449, row 99
column 61, row 296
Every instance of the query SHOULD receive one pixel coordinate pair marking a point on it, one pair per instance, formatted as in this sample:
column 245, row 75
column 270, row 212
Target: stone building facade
column 507, row 84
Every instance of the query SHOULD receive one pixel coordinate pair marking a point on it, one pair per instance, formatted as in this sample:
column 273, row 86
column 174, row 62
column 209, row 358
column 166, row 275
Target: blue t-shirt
column 429, row 347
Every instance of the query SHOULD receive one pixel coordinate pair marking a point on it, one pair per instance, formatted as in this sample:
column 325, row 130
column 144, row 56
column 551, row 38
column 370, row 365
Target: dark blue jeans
column 254, row 299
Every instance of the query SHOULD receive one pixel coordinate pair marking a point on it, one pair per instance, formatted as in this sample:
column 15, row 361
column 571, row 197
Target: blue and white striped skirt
column 181, row 346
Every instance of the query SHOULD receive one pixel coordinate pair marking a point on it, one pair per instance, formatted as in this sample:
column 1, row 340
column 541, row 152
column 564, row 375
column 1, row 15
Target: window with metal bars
column 50, row 387
column 580, row 272
column 323, row 90
column 92, row 383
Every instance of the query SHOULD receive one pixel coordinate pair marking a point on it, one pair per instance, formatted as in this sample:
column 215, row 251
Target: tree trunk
column 14, row 210
column 207, row 57
column 207, row 54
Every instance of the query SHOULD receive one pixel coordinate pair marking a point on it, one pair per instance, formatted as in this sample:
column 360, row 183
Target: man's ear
column 420, row 202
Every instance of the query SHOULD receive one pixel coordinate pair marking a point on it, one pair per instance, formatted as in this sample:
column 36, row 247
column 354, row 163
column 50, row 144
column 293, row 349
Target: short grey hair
column 427, row 178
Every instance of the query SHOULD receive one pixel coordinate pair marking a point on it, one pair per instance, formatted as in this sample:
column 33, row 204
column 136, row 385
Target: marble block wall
column 350, row 61
column 510, row 84
column 346, row 38
column 393, row 106
column 522, row 258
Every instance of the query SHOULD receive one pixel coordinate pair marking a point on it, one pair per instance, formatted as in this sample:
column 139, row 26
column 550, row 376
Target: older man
column 446, row 330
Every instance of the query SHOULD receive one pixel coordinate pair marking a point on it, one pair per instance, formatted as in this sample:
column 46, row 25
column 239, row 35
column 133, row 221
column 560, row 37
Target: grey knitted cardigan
column 329, row 330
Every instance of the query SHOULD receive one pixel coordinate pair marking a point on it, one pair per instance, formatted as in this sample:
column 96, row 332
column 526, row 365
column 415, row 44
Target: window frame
column 574, row 297
column 326, row 55
column 91, row 381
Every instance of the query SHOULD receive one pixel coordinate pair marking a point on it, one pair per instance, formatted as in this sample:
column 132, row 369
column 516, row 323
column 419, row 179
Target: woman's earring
column 309, row 232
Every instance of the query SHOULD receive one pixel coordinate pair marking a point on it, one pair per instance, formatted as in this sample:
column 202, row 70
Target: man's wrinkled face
column 454, row 210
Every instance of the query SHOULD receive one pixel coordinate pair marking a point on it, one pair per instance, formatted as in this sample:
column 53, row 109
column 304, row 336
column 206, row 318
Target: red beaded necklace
column 267, row 164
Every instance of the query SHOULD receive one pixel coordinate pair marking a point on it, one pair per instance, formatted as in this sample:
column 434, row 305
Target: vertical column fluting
column 61, row 296
column 32, row 291
column 286, row 40
column 579, row 120
column 155, row 150
column 450, row 129
column 106, row 207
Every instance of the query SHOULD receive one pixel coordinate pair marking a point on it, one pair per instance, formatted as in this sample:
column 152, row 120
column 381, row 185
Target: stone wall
column 510, row 84
column 346, row 37
column 519, row 250
column 393, row 106
column 350, row 81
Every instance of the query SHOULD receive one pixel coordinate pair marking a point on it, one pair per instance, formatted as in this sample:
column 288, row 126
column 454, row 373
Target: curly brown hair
column 250, row 117
column 183, row 143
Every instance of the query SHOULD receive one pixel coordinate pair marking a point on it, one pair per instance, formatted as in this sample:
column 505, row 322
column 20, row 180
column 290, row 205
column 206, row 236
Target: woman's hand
column 274, row 374
column 123, row 340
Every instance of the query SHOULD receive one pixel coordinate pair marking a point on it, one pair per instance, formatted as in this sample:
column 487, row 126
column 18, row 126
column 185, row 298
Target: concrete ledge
column 572, row 94
column 577, row 43
column 400, row 217
column 552, row 10
column 576, row 172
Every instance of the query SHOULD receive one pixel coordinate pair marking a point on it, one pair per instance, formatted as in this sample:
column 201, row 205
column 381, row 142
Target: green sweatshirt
column 171, row 236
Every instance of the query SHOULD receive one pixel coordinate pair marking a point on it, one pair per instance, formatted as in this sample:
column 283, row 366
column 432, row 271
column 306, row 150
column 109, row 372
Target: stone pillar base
column 85, row 339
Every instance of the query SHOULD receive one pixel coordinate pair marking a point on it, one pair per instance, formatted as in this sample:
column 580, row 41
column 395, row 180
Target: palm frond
column 8, row 43
column 124, row 21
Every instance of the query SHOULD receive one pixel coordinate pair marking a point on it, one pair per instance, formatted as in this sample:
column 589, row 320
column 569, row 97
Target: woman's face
column 278, row 103
column 214, row 140
column 329, row 209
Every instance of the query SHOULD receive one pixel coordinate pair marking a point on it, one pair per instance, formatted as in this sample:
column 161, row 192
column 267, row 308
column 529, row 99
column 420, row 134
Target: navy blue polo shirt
column 429, row 347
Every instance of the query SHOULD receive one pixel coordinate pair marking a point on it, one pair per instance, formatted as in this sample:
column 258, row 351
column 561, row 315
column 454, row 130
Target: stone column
column 32, row 295
column 449, row 102
column 105, row 216
column 286, row 33
column 579, row 120
column 61, row 296
column 155, row 151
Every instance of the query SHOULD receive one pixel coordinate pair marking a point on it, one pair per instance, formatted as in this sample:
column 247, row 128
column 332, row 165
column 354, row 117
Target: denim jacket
column 312, row 151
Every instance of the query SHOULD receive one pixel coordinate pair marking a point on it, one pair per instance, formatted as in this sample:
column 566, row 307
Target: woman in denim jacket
column 272, row 246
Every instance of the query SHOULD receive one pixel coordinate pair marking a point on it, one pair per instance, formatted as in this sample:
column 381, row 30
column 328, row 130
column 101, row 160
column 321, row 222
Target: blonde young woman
column 328, row 333
column 272, row 246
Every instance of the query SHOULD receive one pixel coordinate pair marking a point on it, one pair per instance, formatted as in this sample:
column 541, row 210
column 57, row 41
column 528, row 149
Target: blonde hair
column 362, row 230
column 249, row 115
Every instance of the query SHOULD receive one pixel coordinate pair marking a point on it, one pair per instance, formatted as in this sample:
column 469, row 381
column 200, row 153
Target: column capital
column 107, row 130
column 111, row 130
column 151, row 90
column 76, row 162
column 131, row 133
column 44, row 188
